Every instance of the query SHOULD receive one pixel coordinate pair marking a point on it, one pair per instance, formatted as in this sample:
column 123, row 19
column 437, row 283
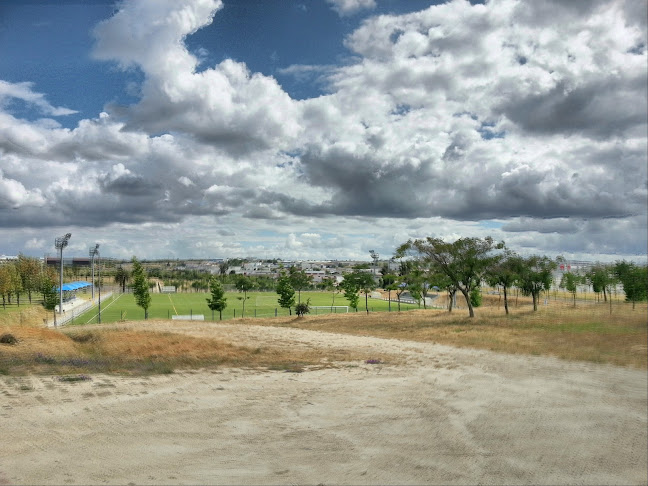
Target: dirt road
column 440, row 416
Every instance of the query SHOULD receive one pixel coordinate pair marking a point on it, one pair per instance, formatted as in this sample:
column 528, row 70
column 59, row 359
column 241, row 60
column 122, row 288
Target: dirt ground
column 431, row 414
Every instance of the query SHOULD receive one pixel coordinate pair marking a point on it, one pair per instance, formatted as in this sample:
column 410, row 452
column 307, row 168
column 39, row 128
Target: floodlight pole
column 61, row 243
column 93, row 252
column 99, row 314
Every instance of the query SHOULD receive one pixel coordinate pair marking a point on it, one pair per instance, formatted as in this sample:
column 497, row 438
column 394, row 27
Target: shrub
column 475, row 297
column 8, row 338
column 302, row 308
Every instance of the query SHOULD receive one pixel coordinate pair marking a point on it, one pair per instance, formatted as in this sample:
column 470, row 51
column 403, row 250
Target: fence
column 69, row 315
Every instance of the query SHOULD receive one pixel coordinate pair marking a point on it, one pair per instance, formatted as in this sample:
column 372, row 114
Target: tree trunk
column 450, row 301
column 471, row 311
column 505, row 301
column 534, row 295
column 367, row 302
column 604, row 295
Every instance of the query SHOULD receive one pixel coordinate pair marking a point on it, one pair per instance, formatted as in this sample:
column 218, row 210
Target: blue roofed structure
column 71, row 286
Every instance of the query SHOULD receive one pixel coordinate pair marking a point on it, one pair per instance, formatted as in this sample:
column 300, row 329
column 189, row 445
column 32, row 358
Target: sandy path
column 441, row 416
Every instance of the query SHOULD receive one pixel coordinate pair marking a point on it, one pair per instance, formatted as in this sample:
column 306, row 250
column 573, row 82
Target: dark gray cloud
column 600, row 109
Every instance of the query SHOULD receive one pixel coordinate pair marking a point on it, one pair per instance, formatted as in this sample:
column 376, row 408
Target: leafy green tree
column 601, row 278
column 218, row 301
column 141, row 287
column 367, row 284
column 465, row 261
column 286, row 293
column 244, row 284
column 299, row 281
column 48, row 284
column 356, row 282
column 535, row 276
column 15, row 282
column 570, row 283
column 121, row 277
column 505, row 274
column 29, row 269
column 329, row 284
column 5, row 284
column 351, row 289
column 634, row 279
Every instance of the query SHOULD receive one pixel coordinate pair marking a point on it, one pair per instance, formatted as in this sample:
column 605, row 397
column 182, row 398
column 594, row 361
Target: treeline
column 464, row 265
column 27, row 275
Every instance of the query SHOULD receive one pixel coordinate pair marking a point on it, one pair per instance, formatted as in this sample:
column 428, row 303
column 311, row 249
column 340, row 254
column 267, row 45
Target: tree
column 5, row 284
column 634, row 279
column 390, row 284
column 299, row 281
column 141, row 287
column 121, row 277
column 356, row 282
column 570, row 282
column 505, row 273
column 48, row 286
column 535, row 276
column 244, row 284
column 15, row 282
column 350, row 287
column 330, row 284
column 465, row 262
column 218, row 301
column 222, row 269
column 286, row 293
column 366, row 283
column 29, row 269
column 601, row 278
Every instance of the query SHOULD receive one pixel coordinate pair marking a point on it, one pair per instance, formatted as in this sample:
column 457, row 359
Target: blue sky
column 322, row 129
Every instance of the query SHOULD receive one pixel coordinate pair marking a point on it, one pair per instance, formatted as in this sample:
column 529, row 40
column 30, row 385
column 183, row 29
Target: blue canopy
column 75, row 285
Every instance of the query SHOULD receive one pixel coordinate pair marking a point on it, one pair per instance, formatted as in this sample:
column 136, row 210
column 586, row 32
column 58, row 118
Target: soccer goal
column 328, row 309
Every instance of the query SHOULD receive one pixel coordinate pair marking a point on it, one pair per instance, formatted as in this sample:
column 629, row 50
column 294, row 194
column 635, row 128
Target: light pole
column 374, row 257
column 61, row 243
column 93, row 252
column 99, row 314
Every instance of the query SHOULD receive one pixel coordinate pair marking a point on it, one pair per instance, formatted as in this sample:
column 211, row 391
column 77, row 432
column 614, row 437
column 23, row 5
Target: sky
column 323, row 129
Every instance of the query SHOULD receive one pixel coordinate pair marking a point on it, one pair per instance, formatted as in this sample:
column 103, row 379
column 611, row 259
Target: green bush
column 475, row 297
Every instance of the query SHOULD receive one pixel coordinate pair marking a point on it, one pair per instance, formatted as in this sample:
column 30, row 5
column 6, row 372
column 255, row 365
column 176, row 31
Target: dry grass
column 585, row 333
column 128, row 351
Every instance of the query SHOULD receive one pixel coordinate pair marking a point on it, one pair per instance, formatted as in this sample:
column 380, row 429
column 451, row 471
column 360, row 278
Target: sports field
column 259, row 304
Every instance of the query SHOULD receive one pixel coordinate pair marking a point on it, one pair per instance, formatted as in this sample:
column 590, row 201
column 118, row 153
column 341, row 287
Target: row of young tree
column 464, row 265
column 27, row 275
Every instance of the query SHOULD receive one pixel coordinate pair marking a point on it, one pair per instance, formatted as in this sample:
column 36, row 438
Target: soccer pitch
column 259, row 304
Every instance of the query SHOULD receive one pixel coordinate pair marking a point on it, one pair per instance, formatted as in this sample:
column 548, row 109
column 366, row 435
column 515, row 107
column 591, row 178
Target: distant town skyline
column 323, row 129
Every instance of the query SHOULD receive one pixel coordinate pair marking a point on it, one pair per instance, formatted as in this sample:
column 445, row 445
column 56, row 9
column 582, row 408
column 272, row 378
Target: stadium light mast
column 375, row 258
column 99, row 313
column 93, row 252
column 61, row 243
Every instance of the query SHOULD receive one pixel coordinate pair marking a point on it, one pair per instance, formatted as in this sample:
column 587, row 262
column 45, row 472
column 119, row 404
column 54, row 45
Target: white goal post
column 331, row 308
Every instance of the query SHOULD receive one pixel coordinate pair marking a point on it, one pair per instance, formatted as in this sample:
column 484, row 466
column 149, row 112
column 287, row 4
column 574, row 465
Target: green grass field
column 259, row 304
